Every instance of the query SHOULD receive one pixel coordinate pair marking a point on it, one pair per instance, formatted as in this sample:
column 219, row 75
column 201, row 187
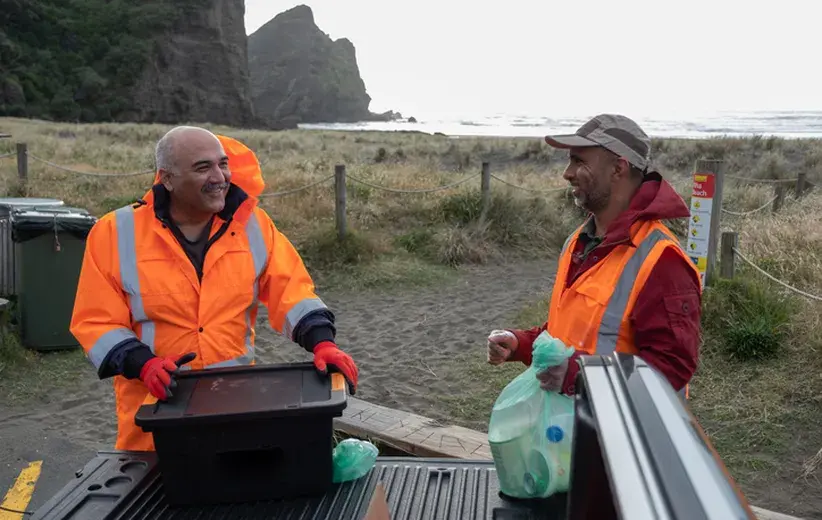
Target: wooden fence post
column 801, row 179
column 339, row 185
column 485, row 191
column 727, row 260
column 706, row 207
column 779, row 192
column 22, row 164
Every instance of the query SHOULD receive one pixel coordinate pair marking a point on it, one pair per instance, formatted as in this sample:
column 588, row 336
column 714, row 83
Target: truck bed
column 128, row 486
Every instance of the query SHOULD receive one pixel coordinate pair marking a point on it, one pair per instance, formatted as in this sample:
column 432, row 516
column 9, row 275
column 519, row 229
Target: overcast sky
column 537, row 57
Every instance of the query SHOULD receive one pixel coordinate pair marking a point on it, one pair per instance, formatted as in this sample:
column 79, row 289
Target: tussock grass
column 11, row 351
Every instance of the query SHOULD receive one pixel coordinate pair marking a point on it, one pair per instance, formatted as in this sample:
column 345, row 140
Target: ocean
column 786, row 124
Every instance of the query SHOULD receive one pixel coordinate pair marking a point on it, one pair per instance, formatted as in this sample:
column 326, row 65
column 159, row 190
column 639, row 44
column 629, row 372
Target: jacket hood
column 246, row 173
column 655, row 199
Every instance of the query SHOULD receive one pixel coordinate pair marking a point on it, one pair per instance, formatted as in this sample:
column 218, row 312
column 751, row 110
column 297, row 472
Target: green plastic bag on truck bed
column 353, row 459
column 530, row 429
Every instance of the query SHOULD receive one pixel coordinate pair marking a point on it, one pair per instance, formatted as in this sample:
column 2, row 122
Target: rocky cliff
column 122, row 60
column 300, row 75
column 198, row 71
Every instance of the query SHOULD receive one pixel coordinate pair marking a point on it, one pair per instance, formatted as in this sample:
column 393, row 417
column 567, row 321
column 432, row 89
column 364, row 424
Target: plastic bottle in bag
column 530, row 429
column 353, row 459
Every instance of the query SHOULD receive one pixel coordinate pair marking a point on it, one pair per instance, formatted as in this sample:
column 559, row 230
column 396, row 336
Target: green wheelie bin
column 49, row 243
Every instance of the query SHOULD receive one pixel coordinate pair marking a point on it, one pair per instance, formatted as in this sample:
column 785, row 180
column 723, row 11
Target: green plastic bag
column 530, row 429
column 353, row 459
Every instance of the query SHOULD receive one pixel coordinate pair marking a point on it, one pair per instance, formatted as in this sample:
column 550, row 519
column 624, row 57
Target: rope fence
column 753, row 180
column 414, row 191
column 751, row 212
column 93, row 174
column 729, row 253
column 339, row 176
column 780, row 186
column 297, row 190
column 503, row 181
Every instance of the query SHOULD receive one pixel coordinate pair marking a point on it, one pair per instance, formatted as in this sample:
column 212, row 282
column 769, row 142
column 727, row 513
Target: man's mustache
column 215, row 186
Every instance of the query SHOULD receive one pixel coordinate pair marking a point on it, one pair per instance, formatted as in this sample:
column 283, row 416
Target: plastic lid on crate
column 246, row 393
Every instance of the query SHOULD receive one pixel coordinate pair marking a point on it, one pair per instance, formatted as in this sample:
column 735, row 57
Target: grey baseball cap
column 614, row 132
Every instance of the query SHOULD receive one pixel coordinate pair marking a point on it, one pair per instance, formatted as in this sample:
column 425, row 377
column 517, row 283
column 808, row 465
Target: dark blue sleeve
column 314, row 328
column 126, row 358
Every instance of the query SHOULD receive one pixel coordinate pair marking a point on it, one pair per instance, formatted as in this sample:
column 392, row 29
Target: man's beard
column 594, row 201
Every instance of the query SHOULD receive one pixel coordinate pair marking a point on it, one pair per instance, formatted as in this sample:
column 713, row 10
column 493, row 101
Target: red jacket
column 666, row 316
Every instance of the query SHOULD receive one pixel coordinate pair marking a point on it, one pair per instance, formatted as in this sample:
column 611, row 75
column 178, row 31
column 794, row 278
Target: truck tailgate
column 127, row 486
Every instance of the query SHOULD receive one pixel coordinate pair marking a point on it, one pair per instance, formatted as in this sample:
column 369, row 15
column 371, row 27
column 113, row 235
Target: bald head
column 165, row 153
column 193, row 167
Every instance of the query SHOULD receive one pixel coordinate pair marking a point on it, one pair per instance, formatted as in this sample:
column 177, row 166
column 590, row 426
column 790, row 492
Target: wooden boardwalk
column 413, row 434
column 424, row 437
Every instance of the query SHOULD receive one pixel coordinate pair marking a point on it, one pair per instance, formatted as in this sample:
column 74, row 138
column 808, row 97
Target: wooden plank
column 485, row 191
column 414, row 434
column 801, row 183
column 339, row 200
column 764, row 514
column 5, row 136
column 727, row 257
column 424, row 437
column 779, row 200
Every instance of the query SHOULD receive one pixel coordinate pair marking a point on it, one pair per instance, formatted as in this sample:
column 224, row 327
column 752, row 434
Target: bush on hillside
column 324, row 249
column 76, row 61
column 465, row 244
column 534, row 224
column 750, row 319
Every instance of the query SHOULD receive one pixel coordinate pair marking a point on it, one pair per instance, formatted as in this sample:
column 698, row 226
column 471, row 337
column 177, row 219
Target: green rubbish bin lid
column 29, row 201
column 9, row 204
column 31, row 222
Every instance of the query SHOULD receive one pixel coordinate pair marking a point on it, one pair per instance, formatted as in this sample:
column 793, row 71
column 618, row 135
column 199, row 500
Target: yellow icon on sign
column 696, row 218
column 693, row 232
column 693, row 246
column 697, row 205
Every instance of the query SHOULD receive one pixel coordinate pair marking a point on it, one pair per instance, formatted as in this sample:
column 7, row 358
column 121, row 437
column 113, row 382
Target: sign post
column 703, row 225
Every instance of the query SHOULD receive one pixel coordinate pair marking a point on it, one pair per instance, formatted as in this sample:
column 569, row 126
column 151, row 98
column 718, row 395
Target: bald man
column 176, row 279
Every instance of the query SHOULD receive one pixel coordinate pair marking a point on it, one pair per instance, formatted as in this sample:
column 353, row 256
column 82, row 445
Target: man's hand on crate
column 156, row 374
column 327, row 353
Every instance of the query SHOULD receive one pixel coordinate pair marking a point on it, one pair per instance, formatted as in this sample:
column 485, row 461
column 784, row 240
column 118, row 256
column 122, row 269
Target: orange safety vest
column 136, row 281
column 592, row 315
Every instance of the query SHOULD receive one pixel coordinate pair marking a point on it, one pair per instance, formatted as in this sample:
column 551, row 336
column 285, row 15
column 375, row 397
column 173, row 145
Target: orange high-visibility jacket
column 137, row 282
column 592, row 315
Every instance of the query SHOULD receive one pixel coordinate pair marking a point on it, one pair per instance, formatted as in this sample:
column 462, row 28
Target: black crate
column 244, row 434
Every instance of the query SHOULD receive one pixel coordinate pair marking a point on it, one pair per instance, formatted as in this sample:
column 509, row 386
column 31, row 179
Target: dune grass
column 758, row 390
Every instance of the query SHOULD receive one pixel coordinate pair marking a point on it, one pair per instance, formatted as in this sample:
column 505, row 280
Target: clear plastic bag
column 530, row 429
column 353, row 459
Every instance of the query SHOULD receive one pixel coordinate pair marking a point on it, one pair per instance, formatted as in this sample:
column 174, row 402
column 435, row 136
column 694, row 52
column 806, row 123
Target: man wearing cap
column 623, row 281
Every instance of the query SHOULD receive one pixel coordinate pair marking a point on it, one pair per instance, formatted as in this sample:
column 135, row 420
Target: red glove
column 327, row 353
column 156, row 374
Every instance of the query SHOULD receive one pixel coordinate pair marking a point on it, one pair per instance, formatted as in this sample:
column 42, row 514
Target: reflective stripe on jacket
column 592, row 315
column 136, row 281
